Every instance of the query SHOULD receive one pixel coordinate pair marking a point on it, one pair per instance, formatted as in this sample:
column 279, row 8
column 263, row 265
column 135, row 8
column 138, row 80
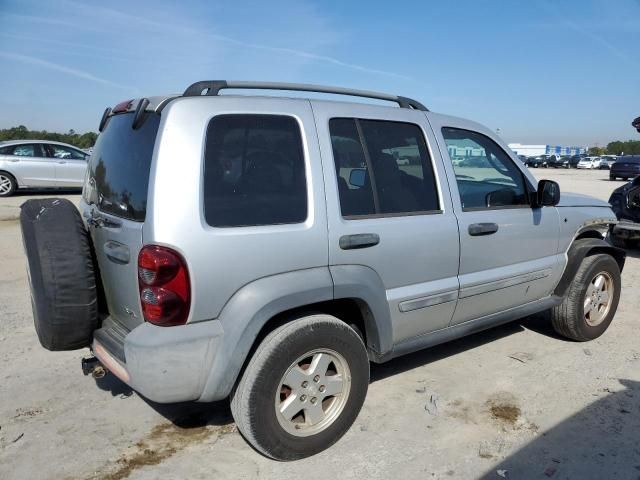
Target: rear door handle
column 359, row 240
column 479, row 229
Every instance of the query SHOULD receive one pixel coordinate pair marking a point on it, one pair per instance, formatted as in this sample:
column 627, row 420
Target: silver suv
column 267, row 249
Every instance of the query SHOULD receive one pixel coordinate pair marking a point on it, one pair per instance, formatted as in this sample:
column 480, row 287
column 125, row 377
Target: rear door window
column 383, row 168
column 26, row 150
column 254, row 172
column 120, row 166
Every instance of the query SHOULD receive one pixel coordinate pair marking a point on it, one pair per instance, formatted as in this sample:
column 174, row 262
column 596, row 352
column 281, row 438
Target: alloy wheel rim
column 5, row 184
column 313, row 392
column 598, row 299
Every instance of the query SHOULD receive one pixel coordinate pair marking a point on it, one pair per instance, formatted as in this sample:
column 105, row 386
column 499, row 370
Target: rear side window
column 26, row 150
column 254, row 172
column 383, row 168
column 120, row 165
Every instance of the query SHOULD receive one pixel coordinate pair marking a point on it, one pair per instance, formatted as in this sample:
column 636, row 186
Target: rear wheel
column 8, row 184
column 592, row 300
column 611, row 177
column 303, row 388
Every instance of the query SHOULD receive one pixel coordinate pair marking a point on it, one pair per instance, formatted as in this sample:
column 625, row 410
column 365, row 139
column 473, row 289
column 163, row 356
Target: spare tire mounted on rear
column 62, row 273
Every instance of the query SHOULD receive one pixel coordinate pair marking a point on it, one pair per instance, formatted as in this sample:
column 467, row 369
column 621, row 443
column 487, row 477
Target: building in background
column 535, row 150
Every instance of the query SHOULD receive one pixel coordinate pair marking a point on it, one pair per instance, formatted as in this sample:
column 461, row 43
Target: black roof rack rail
column 213, row 87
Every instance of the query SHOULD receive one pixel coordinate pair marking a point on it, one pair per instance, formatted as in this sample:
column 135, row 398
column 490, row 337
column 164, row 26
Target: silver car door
column 70, row 165
column 508, row 250
column 412, row 254
column 31, row 166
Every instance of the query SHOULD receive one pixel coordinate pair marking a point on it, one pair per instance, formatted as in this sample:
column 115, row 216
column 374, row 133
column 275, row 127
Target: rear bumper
column 164, row 364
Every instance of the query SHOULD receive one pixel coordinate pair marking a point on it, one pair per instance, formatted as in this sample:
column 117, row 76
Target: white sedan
column 40, row 164
column 590, row 162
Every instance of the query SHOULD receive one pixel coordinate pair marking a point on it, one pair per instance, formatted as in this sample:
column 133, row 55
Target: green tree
column 630, row 147
column 596, row 151
column 21, row 132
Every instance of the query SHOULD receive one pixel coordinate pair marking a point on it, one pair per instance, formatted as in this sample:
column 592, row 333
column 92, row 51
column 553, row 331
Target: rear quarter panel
column 223, row 260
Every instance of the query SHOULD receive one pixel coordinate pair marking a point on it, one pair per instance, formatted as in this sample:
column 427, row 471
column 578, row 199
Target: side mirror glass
column 548, row 194
column 357, row 177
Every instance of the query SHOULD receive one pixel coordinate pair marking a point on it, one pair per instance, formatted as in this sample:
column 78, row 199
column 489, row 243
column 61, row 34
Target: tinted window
column 60, row 151
column 382, row 168
column 26, row 150
column 487, row 178
column 120, row 164
column 254, row 172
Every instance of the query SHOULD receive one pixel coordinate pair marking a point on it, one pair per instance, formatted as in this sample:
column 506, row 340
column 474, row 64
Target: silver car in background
column 40, row 164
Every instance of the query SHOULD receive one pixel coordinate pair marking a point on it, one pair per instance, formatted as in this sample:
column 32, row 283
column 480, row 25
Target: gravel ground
column 512, row 402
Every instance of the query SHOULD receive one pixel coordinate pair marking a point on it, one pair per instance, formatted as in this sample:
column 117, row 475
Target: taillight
column 163, row 279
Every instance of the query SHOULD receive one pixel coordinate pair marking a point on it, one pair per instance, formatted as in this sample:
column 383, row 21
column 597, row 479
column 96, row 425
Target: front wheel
column 591, row 301
column 303, row 388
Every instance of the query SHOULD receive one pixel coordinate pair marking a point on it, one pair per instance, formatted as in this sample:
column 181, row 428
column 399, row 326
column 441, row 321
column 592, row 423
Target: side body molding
column 365, row 285
column 264, row 298
column 581, row 248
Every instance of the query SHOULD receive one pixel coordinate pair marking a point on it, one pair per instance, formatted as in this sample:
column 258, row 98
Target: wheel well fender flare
column 580, row 249
column 249, row 309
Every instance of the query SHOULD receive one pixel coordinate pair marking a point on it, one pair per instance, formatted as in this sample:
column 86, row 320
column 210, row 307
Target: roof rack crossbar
column 213, row 87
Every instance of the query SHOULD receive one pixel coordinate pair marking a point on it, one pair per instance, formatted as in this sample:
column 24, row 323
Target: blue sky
column 542, row 71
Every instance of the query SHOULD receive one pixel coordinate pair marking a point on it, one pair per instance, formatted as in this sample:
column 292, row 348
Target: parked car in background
column 607, row 161
column 40, row 164
column 625, row 203
column 558, row 161
column 536, row 162
column 589, row 162
column 625, row 167
column 574, row 160
column 523, row 158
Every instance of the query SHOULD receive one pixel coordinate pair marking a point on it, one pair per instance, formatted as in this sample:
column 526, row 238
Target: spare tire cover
column 62, row 275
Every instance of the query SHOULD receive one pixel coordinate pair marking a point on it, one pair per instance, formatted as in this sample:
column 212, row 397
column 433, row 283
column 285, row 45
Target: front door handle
column 479, row 229
column 359, row 240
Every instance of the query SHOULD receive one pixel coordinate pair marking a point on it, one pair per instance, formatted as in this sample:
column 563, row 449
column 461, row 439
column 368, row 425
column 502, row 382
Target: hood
column 579, row 200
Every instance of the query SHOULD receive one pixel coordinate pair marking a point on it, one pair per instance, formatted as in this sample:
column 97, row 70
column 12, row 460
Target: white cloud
column 60, row 68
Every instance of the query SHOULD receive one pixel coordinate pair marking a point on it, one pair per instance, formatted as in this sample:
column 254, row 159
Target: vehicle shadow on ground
column 182, row 415
column 27, row 192
column 599, row 441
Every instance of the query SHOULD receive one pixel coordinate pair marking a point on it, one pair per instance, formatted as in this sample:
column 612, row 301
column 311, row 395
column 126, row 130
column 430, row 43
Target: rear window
column 254, row 172
column 119, row 166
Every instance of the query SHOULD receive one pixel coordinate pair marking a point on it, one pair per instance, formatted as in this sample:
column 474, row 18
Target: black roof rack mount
column 213, row 87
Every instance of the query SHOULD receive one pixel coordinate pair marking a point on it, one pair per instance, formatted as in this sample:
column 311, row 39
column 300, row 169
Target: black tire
column 568, row 318
column 611, row 178
column 253, row 401
column 61, row 272
column 13, row 185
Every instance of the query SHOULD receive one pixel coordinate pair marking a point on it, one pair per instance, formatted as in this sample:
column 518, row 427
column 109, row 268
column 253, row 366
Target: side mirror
column 357, row 177
column 548, row 194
